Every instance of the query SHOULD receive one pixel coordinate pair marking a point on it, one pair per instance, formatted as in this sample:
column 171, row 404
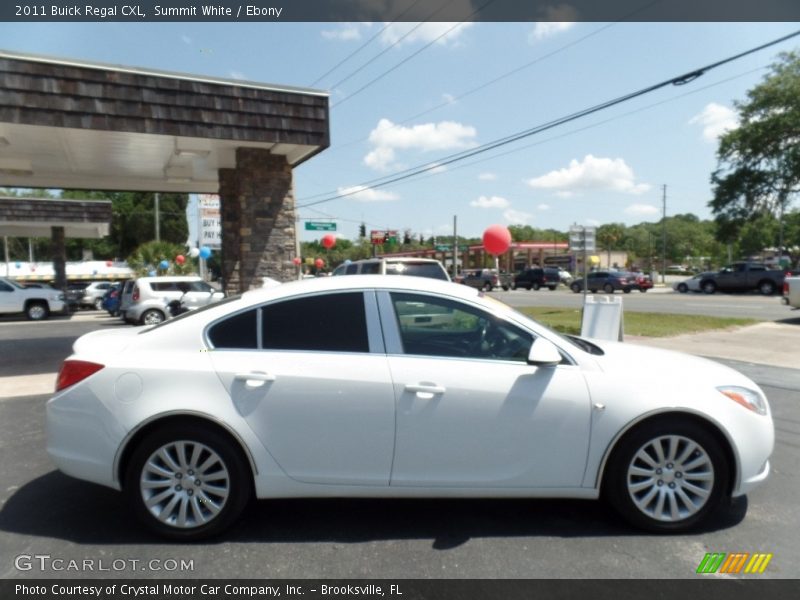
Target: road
column 43, row 512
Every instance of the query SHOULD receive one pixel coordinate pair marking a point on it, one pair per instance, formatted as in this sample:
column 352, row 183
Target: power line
column 679, row 80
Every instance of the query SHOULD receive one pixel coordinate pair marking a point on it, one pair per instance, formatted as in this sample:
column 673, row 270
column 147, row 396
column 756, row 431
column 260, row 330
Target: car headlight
column 750, row 399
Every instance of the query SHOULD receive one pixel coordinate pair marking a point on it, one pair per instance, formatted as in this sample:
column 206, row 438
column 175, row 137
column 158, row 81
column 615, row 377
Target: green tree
column 759, row 161
column 610, row 237
column 148, row 256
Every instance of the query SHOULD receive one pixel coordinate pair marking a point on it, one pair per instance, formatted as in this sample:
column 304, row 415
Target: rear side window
column 370, row 268
column 328, row 323
column 164, row 286
column 238, row 331
column 430, row 270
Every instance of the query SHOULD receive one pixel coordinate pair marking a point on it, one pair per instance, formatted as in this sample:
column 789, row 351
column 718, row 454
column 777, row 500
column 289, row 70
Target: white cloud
column 449, row 98
column 425, row 33
column 715, row 119
column 387, row 138
column 361, row 193
column 516, row 217
column 487, row 176
column 542, row 207
column 591, row 173
column 642, row 209
column 346, row 32
column 186, row 40
column 490, row 202
column 559, row 19
column 593, row 222
column 237, row 75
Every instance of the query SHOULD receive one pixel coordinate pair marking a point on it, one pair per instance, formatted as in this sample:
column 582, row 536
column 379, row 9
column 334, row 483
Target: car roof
column 398, row 259
column 170, row 278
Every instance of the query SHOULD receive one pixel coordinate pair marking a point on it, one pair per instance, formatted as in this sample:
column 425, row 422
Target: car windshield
column 14, row 283
column 417, row 269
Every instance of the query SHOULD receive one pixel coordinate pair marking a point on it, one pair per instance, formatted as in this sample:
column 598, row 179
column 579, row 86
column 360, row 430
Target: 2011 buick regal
column 382, row 386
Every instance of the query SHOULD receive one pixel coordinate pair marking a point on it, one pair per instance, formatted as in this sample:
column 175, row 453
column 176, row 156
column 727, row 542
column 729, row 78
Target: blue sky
column 609, row 167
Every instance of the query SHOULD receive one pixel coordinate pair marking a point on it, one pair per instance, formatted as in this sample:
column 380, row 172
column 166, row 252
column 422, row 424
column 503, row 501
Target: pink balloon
column 496, row 239
column 328, row 241
column 180, row 259
column 319, row 263
column 109, row 263
column 297, row 260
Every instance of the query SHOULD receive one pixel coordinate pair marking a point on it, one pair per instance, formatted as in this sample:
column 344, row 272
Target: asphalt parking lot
column 43, row 512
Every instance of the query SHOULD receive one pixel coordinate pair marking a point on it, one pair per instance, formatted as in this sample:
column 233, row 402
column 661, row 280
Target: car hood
column 655, row 365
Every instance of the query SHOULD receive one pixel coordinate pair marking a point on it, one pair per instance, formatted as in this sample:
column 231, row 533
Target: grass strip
column 568, row 320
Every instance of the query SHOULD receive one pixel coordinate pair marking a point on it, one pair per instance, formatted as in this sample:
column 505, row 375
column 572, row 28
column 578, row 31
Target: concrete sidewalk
column 769, row 343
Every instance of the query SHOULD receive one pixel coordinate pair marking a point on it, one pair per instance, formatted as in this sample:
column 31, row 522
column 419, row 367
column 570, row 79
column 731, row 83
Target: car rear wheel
column 487, row 286
column 152, row 317
column 552, row 288
column 709, row 287
column 626, row 290
column 536, row 285
column 98, row 304
column 667, row 476
column 767, row 288
column 683, row 288
column 37, row 311
column 575, row 288
column 187, row 482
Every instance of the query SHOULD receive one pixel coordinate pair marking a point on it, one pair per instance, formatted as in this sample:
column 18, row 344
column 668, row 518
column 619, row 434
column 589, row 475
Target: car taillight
column 73, row 371
column 135, row 296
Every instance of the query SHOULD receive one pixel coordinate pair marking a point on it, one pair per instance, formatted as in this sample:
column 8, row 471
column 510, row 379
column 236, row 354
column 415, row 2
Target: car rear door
column 311, row 378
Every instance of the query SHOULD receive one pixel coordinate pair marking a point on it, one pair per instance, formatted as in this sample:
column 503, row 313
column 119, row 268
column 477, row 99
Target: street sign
column 320, row 226
column 443, row 247
column 582, row 239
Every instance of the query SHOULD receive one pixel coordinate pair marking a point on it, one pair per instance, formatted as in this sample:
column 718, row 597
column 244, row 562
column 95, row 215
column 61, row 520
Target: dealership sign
column 210, row 221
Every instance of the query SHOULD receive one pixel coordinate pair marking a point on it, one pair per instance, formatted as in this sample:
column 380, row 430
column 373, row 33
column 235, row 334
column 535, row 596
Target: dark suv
column 534, row 278
column 608, row 281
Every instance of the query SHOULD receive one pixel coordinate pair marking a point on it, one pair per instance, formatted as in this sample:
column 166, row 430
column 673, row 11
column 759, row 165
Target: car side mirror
column 543, row 353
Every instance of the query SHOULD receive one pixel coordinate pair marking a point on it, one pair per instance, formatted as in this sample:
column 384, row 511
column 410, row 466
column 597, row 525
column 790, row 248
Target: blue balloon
column 152, row 273
column 18, row 264
column 205, row 252
column 348, row 261
column 163, row 265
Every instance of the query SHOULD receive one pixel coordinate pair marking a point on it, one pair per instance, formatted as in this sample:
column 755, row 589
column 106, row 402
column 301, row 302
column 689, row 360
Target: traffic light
column 362, row 231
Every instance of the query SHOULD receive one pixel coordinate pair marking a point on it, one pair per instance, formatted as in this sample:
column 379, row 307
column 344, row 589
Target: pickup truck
column 486, row 279
column 744, row 277
column 791, row 292
column 35, row 303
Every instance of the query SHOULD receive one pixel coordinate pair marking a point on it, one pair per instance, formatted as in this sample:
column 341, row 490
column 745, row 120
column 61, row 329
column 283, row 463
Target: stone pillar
column 258, row 220
column 59, row 251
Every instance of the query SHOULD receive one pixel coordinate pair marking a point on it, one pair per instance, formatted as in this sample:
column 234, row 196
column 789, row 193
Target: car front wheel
column 683, row 288
column 709, row 287
column 575, row 288
column 667, row 476
column 187, row 482
column 37, row 311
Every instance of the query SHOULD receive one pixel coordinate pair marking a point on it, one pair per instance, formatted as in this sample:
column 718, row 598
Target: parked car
column 111, row 299
column 693, row 283
column 418, row 267
column 744, row 277
column 486, row 279
column 534, row 278
column 640, row 281
column 74, row 294
column 608, row 281
column 93, row 294
column 317, row 388
column 150, row 296
column 35, row 303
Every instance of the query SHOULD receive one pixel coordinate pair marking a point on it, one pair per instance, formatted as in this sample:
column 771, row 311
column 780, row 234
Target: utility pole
column 664, row 234
column 455, row 247
column 158, row 225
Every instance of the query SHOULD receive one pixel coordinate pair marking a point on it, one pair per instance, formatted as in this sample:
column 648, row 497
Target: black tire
column 575, row 288
column 767, row 288
column 608, row 288
column 708, row 287
column 152, row 316
column 98, row 304
column 231, row 469
column 552, row 288
column 487, row 286
column 37, row 310
column 536, row 286
column 626, row 290
column 643, row 289
column 683, row 288
column 505, row 288
column 703, row 496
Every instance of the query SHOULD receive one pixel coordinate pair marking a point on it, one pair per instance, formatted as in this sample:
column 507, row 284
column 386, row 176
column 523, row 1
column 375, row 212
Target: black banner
column 401, row 10
column 401, row 589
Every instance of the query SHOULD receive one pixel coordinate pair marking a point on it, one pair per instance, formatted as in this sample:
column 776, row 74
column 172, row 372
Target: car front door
column 311, row 378
column 470, row 411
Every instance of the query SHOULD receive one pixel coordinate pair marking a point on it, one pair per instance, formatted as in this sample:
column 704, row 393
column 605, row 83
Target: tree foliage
column 759, row 162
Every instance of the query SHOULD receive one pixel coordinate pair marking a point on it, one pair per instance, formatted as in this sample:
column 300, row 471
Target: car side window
column 328, row 322
column 352, row 269
column 238, row 331
column 370, row 268
column 431, row 326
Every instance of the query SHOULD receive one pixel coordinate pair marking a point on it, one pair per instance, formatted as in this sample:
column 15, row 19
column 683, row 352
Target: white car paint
column 387, row 424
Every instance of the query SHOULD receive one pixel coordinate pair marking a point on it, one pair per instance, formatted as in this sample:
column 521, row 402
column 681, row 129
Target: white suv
column 35, row 303
column 149, row 297
column 418, row 267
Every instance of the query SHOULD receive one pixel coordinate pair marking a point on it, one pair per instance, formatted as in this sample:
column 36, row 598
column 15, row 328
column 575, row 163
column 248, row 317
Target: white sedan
column 397, row 387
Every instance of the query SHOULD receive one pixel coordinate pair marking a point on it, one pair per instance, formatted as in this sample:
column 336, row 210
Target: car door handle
column 425, row 389
column 254, row 378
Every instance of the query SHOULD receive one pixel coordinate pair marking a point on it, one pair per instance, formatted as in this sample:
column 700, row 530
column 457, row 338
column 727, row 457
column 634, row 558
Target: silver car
column 145, row 302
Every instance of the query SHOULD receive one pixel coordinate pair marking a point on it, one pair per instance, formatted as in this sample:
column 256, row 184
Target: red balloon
column 319, row 263
column 180, row 259
column 496, row 239
column 328, row 241
column 109, row 263
column 297, row 260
